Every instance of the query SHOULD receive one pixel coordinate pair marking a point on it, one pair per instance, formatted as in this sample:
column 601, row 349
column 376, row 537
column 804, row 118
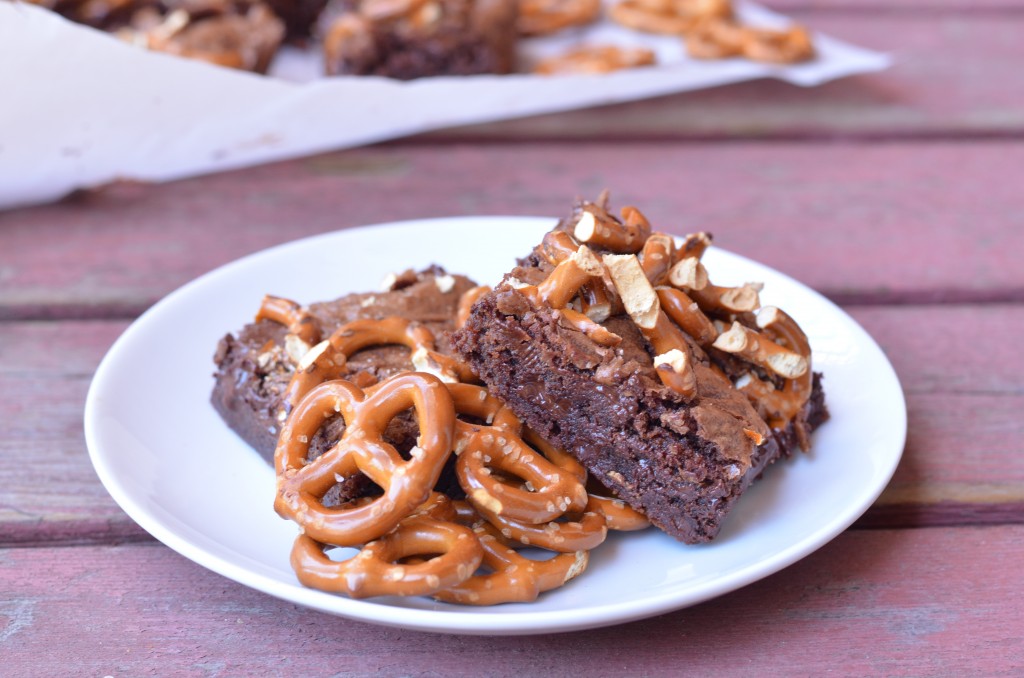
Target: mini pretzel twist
column 550, row 492
column 381, row 568
column 541, row 17
column 476, row 401
column 362, row 448
column 512, row 577
column 618, row 515
column 669, row 17
column 466, row 301
column 289, row 313
column 596, row 59
column 717, row 38
column 579, row 533
column 328, row 359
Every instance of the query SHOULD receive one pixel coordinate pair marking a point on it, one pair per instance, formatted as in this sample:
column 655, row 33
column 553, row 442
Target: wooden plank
column 959, row 469
column 917, row 602
column 954, row 74
column 877, row 223
column 50, row 493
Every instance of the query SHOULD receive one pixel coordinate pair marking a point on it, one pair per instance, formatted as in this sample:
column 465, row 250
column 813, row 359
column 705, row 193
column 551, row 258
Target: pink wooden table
column 899, row 195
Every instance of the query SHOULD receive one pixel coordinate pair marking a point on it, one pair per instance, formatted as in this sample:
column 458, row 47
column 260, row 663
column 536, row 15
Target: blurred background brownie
column 407, row 39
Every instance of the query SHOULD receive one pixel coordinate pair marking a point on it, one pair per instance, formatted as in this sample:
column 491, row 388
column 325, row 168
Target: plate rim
column 453, row 620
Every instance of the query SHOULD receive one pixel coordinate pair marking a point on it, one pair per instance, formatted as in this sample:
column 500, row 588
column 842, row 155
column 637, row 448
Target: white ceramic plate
column 174, row 466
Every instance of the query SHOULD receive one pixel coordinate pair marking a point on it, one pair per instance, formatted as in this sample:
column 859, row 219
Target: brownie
column 683, row 461
column 254, row 367
column 438, row 37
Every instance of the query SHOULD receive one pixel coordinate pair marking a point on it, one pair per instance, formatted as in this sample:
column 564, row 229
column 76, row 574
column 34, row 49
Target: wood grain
column 920, row 602
column 962, row 469
column 863, row 223
column 954, row 74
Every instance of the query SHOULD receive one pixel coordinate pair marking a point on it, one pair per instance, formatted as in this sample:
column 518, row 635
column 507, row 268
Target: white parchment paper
column 79, row 108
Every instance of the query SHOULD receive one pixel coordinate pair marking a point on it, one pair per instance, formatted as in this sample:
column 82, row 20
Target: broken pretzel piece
column 760, row 350
column 598, row 228
column 726, row 301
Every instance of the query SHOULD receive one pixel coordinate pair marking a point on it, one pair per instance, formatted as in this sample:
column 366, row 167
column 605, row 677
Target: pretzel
column 781, row 406
column 328, row 359
column 476, row 401
column 694, row 245
column 786, row 46
column 657, row 256
column 552, row 492
column 567, row 278
column 387, row 10
column 597, row 227
column 717, row 38
column 618, row 515
column 406, row 484
column 381, row 568
column 684, row 312
column 596, row 302
column 640, row 17
column 557, row 246
column 676, row 372
column 637, row 294
column 513, row 578
column 541, row 17
column 562, row 284
column 672, row 17
column 760, row 350
column 688, row 274
column 244, row 40
column 596, row 59
column 289, row 313
column 466, row 301
column 583, row 534
column 727, row 300
column 597, row 332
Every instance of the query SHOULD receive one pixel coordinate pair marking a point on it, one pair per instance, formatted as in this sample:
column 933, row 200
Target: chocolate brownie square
column 407, row 39
column 682, row 454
